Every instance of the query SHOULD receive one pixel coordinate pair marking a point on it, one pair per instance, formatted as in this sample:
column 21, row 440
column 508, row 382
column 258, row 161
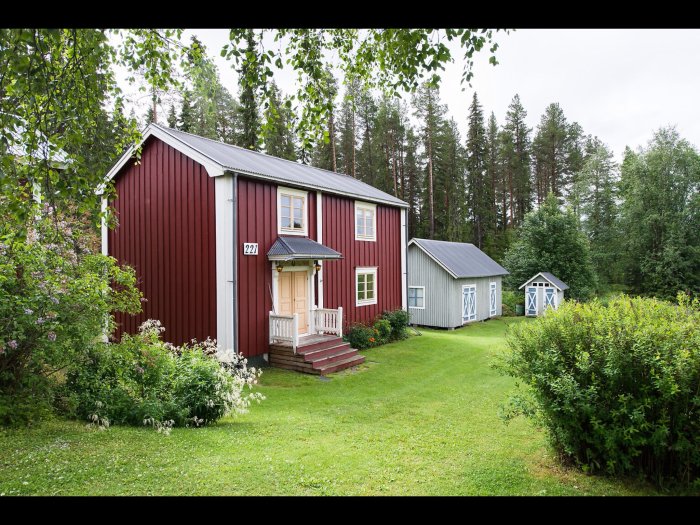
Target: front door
column 294, row 297
column 531, row 301
column 468, row 303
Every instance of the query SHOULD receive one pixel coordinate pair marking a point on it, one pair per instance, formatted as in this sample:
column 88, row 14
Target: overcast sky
column 618, row 84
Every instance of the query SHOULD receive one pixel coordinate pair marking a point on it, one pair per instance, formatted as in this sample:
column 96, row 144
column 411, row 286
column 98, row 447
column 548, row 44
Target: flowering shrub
column 391, row 326
column 145, row 381
column 55, row 304
column 615, row 387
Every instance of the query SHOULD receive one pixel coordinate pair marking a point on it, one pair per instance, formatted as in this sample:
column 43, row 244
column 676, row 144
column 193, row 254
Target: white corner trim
column 103, row 228
column 367, row 206
column 225, row 252
column 418, row 307
column 404, row 252
column 372, row 270
column 281, row 190
column 319, row 239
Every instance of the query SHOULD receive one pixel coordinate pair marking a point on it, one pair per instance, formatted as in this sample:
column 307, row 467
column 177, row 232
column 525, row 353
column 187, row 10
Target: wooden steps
column 317, row 354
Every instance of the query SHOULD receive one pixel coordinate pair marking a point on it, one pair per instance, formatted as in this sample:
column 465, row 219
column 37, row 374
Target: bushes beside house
column 143, row 380
column 615, row 387
column 390, row 326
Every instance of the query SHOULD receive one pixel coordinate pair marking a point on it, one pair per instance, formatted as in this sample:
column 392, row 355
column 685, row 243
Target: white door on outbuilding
column 469, row 302
column 550, row 298
column 531, row 300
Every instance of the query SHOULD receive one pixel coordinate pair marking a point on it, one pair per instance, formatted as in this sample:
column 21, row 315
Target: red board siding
column 167, row 232
column 257, row 222
column 385, row 254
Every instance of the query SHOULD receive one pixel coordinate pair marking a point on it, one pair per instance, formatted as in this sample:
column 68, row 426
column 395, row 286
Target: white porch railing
column 328, row 321
column 285, row 328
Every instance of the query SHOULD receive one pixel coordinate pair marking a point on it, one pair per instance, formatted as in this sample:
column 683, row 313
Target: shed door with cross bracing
column 550, row 298
column 531, row 300
column 469, row 302
column 493, row 309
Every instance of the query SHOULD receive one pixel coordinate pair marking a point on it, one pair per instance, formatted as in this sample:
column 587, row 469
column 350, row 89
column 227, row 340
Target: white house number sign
column 250, row 248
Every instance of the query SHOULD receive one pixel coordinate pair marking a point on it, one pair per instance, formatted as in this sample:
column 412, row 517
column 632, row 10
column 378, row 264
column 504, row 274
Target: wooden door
column 531, row 301
column 301, row 300
column 469, row 302
column 293, row 289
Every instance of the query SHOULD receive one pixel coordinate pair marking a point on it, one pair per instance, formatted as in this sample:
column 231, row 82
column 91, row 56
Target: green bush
column 398, row 319
column 615, row 387
column 142, row 380
column 361, row 337
column 55, row 302
column 509, row 300
column 382, row 329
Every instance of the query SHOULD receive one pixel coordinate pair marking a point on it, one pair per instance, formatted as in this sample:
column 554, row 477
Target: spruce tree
column 277, row 131
column 519, row 152
column 248, row 112
column 347, row 128
column 172, row 117
column 479, row 186
column 186, row 120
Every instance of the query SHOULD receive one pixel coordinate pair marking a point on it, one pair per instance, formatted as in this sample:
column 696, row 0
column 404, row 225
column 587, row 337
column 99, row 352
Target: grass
column 420, row 417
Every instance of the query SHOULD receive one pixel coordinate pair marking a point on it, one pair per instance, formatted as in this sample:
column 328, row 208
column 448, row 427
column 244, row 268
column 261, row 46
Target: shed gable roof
column 558, row 283
column 460, row 259
column 218, row 158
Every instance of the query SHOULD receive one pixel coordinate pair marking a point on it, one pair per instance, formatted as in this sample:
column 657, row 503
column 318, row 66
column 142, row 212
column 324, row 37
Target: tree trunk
column 430, row 184
column 354, row 170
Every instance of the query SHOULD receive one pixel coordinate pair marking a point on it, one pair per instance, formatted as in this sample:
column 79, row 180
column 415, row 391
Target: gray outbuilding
column 452, row 283
column 542, row 291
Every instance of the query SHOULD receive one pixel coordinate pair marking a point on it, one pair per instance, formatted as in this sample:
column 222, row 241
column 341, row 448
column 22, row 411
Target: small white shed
column 542, row 291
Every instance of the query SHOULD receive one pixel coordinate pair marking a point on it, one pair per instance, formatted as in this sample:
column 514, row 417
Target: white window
column 365, row 221
column 416, row 297
column 365, row 286
column 291, row 211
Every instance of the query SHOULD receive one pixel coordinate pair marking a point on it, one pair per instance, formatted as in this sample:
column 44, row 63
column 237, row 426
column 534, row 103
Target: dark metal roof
column 555, row 281
column 290, row 248
column 461, row 259
column 551, row 278
column 260, row 165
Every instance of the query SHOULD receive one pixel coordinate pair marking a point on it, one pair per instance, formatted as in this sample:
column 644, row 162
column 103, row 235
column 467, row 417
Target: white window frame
column 366, row 270
column 304, row 213
column 409, row 297
column 366, row 206
column 493, row 287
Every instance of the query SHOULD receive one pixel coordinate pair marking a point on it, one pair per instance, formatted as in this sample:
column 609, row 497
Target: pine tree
column 596, row 196
column 324, row 154
column 430, row 113
column 172, row 117
column 347, row 128
column 557, row 153
column 366, row 120
column 451, row 207
column 248, row 112
column 413, row 183
column 186, row 120
column 518, row 172
column 277, row 132
column 479, row 185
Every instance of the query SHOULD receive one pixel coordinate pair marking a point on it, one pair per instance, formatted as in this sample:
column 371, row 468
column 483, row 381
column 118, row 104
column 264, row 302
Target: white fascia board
column 540, row 274
column 404, row 255
column 214, row 169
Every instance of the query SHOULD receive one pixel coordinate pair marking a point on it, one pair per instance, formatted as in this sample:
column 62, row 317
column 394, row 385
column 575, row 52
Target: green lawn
column 420, row 417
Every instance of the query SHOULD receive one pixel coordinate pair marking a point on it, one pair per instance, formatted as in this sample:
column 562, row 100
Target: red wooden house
column 270, row 257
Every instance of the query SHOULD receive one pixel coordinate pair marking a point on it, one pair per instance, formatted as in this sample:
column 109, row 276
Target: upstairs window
column 291, row 210
column 365, row 221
